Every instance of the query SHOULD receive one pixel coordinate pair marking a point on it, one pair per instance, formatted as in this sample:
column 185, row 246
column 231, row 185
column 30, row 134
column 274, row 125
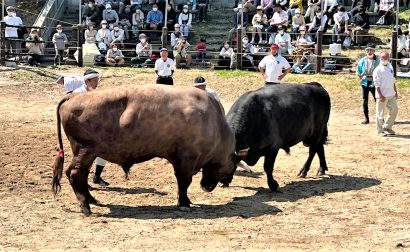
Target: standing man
column 11, row 32
column 386, row 95
column 365, row 69
column 164, row 68
column 271, row 66
column 91, row 81
column 59, row 41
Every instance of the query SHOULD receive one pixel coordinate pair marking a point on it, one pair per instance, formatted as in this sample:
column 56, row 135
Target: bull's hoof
column 223, row 184
column 302, row 175
column 321, row 171
column 85, row 209
column 184, row 209
column 273, row 185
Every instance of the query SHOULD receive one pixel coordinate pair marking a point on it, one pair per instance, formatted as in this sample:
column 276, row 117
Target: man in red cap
column 271, row 66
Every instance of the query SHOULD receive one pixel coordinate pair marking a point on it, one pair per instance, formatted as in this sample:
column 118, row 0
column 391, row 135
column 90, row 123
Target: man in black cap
column 164, row 68
column 365, row 69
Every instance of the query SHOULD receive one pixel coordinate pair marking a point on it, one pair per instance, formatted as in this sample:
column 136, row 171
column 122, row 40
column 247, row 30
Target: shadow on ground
column 248, row 206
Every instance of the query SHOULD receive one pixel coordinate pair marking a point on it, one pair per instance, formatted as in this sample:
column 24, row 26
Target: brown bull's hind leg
column 77, row 174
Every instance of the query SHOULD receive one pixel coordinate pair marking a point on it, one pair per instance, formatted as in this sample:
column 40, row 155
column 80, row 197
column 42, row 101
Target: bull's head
column 213, row 174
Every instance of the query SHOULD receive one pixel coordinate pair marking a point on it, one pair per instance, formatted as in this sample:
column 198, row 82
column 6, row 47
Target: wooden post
column 80, row 44
column 239, row 50
column 393, row 54
column 319, row 42
column 2, row 43
column 164, row 36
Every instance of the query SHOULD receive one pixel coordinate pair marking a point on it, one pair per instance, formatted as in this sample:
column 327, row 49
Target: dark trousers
column 365, row 95
column 201, row 13
column 165, row 80
column 59, row 57
column 34, row 59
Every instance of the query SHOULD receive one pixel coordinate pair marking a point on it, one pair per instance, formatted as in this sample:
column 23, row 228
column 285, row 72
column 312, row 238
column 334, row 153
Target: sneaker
column 252, row 41
column 381, row 134
column 389, row 132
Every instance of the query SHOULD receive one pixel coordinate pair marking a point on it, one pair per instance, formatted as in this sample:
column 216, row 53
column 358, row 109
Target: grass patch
column 403, row 83
column 234, row 74
column 384, row 34
column 404, row 15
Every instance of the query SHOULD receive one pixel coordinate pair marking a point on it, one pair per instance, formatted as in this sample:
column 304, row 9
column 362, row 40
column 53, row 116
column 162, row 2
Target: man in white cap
column 164, row 68
column 201, row 83
column 91, row 81
column 104, row 34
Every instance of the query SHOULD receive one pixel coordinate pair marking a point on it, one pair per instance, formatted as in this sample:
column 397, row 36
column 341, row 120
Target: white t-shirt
column 383, row 77
column 82, row 89
column 164, row 68
column 285, row 37
column 339, row 18
column 213, row 93
column 280, row 17
column 273, row 67
column 72, row 82
column 11, row 32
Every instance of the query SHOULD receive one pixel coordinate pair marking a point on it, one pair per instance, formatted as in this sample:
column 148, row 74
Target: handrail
column 49, row 16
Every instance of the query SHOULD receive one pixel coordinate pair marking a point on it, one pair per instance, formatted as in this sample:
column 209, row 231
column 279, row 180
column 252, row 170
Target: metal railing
column 49, row 16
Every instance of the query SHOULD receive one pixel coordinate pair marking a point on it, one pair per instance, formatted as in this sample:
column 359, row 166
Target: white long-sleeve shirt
column 383, row 78
column 226, row 52
column 11, row 32
column 104, row 35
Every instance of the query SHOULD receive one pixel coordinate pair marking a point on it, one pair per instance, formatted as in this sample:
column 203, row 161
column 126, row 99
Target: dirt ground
column 362, row 204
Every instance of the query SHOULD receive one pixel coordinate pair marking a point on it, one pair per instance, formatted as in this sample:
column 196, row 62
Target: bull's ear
column 242, row 153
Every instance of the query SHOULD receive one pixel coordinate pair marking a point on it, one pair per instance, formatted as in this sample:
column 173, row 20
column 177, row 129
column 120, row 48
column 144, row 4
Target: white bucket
column 335, row 49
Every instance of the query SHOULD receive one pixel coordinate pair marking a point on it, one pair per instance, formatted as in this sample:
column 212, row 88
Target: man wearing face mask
column 279, row 18
column 114, row 56
column 117, row 35
column 91, row 13
column 175, row 35
column 104, row 34
column 11, row 32
column 137, row 22
column 271, row 67
column 125, row 21
column 386, row 95
column 341, row 24
column 59, row 40
column 185, row 21
column 319, row 23
column 247, row 49
column 143, row 50
column 284, row 40
column 110, row 15
column 362, row 25
column 365, row 69
column 154, row 21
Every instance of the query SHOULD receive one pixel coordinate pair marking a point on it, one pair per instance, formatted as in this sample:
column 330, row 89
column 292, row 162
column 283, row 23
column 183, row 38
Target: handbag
column 347, row 42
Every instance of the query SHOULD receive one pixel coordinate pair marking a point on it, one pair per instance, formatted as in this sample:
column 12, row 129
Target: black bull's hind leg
column 268, row 165
column 323, row 166
column 306, row 167
column 77, row 174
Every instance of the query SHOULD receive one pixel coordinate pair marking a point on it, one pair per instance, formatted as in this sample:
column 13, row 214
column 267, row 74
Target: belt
column 164, row 77
column 271, row 83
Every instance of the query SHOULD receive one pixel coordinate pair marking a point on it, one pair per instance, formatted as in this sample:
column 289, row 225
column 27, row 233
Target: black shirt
column 361, row 19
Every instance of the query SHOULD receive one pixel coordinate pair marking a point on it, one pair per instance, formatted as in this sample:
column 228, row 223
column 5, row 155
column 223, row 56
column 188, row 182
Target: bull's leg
column 184, row 180
column 78, row 174
column 323, row 166
column 268, row 167
column 226, row 181
column 312, row 151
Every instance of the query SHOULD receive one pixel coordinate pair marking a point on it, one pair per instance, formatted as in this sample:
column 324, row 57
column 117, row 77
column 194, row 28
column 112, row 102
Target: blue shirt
column 155, row 17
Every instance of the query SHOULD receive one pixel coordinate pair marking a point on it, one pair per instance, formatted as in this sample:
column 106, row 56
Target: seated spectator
column 172, row 18
column 356, row 5
column 176, row 35
column 362, row 25
column 247, row 50
column 201, row 48
column 386, row 8
column 284, row 41
column 181, row 53
column 306, row 63
column 35, row 46
column 90, row 35
column 100, row 5
column 313, row 8
column 297, row 21
column 329, row 9
column 117, row 35
column 341, row 20
column 110, row 16
column 137, row 22
column 114, row 56
column 304, row 39
column 267, row 7
column 279, row 18
column 248, row 7
column 155, row 21
column 225, row 55
column 126, row 21
column 90, row 13
column 136, row 4
column 144, row 51
column 258, row 20
column 201, row 11
column 320, row 22
column 293, row 5
column 185, row 21
column 104, row 34
column 118, row 5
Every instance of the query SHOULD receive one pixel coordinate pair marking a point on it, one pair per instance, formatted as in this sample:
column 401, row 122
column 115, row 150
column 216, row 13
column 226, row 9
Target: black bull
column 278, row 117
column 132, row 125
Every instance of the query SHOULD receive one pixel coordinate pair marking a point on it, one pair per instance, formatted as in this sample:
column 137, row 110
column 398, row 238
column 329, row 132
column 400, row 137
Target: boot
column 97, row 176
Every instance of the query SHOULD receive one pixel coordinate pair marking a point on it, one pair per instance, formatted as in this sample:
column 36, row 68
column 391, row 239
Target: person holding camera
column 180, row 52
column 35, row 45
column 365, row 69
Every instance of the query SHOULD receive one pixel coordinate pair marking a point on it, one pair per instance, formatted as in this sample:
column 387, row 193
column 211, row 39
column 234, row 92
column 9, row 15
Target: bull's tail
column 59, row 161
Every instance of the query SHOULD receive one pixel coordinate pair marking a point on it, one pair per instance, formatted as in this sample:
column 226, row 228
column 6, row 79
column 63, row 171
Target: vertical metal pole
column 393, row 54
column 80, row 45
column 164, row 37
column 79, row 12
column 319, row 41
column 239, row 49
column 397, row 15
column 2, row 9
column 2, row 43
column 166, row 14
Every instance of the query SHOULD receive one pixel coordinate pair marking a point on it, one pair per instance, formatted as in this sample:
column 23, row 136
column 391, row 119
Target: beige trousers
column 391, row 104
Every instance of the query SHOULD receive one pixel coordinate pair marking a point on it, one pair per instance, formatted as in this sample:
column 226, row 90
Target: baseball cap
column 163, row 49
column 274, row 46
column 108, row 6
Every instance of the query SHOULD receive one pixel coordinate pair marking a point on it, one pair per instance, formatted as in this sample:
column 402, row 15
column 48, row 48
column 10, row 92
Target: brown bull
column 186, row 126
